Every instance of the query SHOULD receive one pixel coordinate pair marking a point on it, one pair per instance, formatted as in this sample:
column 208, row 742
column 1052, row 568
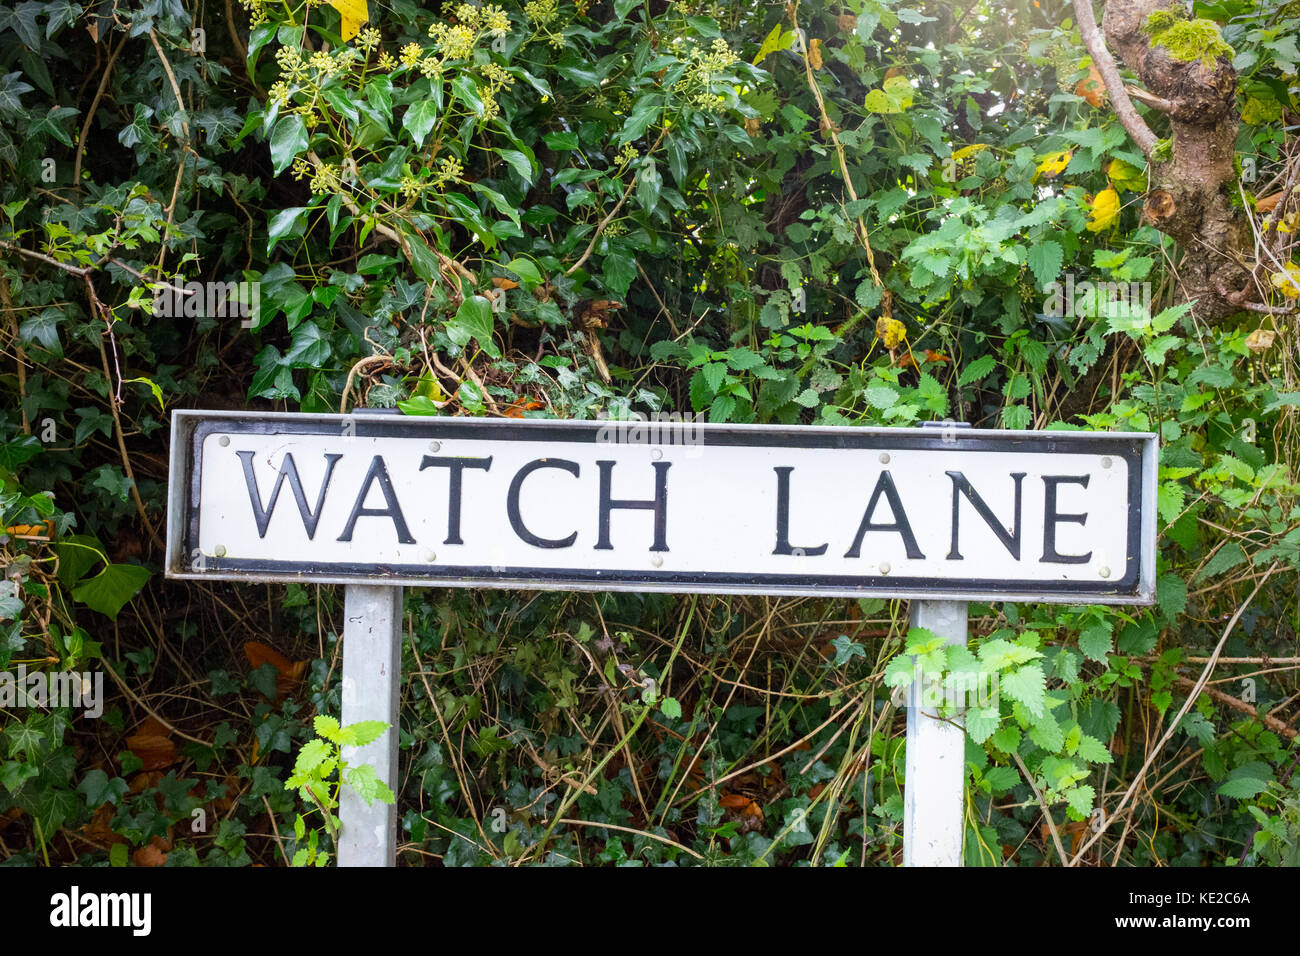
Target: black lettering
column 512, row 502
column 1051, row 517
column 658, row 504
column 961, row 486
column 290, row 471
column 392, row 509
column 783, row 517
column 885, row 486
column 457, row 467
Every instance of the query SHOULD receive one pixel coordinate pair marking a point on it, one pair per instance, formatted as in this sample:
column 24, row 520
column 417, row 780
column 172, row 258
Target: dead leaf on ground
column 288, row 673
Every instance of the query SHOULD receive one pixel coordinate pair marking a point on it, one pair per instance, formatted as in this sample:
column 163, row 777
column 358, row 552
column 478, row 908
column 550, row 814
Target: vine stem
column 645, row 712
column 1187, row 704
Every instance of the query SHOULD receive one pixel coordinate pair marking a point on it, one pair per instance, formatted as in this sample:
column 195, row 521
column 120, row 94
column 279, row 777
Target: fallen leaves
column 152, row 745
column 287, row 674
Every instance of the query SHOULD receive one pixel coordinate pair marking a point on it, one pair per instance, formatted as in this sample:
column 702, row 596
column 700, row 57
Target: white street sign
column 938, row 513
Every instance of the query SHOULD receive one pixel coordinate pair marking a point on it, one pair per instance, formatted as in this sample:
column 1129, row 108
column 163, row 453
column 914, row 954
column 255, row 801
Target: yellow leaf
column 890, row 331
column 1105, row 210
column 815, row 54
column 969, row 150
column 1126, row 176
column 354, row 13
column 1054, row 164
column 774, row 41
column 1288, row 281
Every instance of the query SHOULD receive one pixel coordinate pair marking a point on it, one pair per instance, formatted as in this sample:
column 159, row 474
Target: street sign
column 935, row 513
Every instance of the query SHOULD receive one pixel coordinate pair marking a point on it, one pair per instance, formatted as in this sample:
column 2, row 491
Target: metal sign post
column 372, row 665
column 934, row 794
column 939, row 516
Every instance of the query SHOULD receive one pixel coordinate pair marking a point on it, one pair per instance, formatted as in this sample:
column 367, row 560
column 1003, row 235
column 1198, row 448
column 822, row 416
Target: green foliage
column 582, row 209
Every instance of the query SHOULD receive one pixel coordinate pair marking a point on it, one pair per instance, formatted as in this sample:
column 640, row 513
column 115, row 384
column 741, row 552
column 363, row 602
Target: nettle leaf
column 327, row 727
column 1093, row 750
column 981, row 722
column 1027, row 685
column 362, row 732
column 1045, row 258
column 367, row 784
column 1096, row 641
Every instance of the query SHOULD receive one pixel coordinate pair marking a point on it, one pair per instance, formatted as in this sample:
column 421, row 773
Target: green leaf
column 313, row 753
column 1242, row 788
column 365, row 731
column 1093, row 750
column 1096, row 641
column 108, row 591
column 977, row 370
column 327, row 727
column 419, row 119
column 367, row 784
column 1226, row 558
column 1045, row 260
column 98, row 789
column 288, row 139
column 77, row 554
column 671, row 708
column 284, row 224
column 473, row 320
column 1028, row 685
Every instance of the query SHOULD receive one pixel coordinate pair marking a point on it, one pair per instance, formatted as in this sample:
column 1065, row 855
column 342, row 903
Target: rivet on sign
column 656, row 453
column 434, row 446
column 1105, row 461
column 884, row 565
column 219, row 550
column 430, row 556
column 884, row 458
column 223, row 441
column 1104, row 572
column 657, row 561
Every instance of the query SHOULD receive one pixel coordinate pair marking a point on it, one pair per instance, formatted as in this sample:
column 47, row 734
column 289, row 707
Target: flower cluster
column 449, row 171
column 702, row 70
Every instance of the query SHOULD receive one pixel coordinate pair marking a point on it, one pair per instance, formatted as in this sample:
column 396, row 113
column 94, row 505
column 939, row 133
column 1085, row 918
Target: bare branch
column 1105, row 64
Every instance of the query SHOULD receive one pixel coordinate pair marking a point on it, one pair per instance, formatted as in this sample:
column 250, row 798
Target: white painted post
column 372, row 667
column 934, row 785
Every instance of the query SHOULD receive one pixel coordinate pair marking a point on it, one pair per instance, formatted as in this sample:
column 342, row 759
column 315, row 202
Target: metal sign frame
column 1135, row 586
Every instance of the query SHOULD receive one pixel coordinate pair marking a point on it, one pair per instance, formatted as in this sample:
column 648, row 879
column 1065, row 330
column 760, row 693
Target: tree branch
column 1105, row 64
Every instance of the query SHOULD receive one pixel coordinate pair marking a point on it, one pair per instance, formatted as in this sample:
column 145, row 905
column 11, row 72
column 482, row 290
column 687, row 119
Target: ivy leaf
column 473, row 320
column 98, row 789
column 108, row 591
column 288, row 139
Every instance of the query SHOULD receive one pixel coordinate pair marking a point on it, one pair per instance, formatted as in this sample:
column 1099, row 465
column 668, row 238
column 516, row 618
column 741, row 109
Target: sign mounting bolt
column 219, row 550
column 223, row 441
column 884, row 458
column 657, row 561
column 435, row 446
column 429, row 555
column 885, row 566
column 656, row 453
column 1105, row 461
column 1104, row 572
